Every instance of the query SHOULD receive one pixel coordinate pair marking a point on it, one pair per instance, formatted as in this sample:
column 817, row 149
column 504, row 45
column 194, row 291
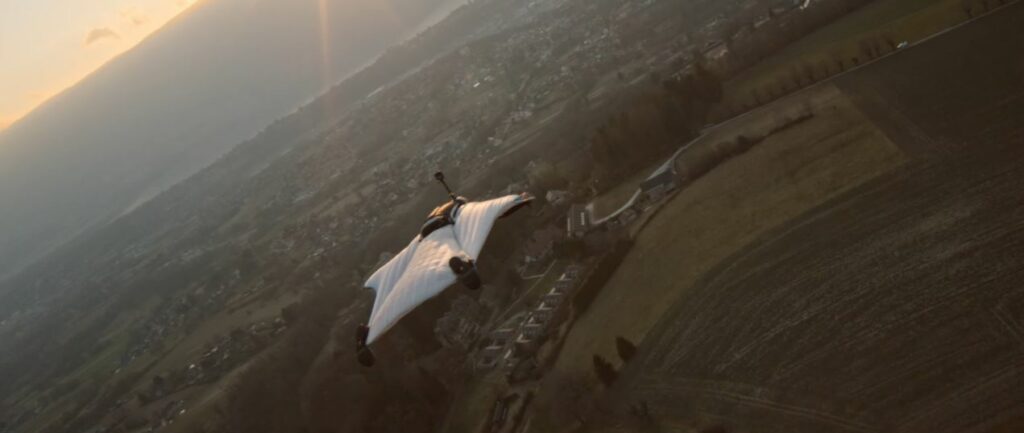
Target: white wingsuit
column 422, row 270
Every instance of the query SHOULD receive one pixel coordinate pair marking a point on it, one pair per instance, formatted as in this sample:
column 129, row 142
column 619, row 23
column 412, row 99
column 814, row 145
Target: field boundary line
column 1009, row 325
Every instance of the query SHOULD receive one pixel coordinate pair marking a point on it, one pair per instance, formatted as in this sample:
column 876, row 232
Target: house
column 503, row 336
column 572, row 272
column 544, row 312
column 489, row 356
column 522, row 369
column 578, row 222
column 563, row 284
column 554, row 297
column 533, row 328
column 526, row 345
column 660, row 183
column 627, row 216
column 715, row 51
column 509, row 361
column 556, row 197
column 499, row 348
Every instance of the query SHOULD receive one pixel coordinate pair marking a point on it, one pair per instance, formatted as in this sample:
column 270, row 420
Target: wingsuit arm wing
column 474, row 221
column 384, row 279
column 421, row 272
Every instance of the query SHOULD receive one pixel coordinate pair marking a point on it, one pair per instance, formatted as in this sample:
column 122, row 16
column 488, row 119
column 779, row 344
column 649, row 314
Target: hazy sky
column 48, row 45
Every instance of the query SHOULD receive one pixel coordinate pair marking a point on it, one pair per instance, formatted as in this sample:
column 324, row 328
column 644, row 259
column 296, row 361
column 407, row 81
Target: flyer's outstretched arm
column 474, row 221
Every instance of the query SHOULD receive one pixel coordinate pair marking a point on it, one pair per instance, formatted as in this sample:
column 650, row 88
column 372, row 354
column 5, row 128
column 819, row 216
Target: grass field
column 782, row 177
column 612, row 200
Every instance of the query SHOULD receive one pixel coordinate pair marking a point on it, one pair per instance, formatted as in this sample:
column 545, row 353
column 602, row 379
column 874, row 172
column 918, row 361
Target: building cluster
column 518, row 341
column 652, row 191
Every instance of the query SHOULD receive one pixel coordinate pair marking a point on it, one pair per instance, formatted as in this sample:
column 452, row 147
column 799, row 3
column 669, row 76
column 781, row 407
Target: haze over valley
column 211, row 78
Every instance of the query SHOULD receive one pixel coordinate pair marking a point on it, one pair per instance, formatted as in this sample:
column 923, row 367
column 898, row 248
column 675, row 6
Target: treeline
column 652, row 123
column 761, row 33
column 751, row 39
column 973, row 8
column 749, row 43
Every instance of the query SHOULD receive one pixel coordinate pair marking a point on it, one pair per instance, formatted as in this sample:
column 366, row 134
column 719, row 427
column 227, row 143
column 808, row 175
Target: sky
column 47, row 46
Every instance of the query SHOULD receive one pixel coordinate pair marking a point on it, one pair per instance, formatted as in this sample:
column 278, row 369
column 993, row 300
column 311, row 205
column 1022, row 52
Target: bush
column 625, row 348
column 290, row 314
column 605, row 371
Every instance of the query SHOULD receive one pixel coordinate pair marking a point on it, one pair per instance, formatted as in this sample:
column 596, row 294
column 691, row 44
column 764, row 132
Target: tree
column 605, row 371
column 809, row 73
column 889, row 40
column 625, row 348
column 600, row 148
column 743, row 144
column 290, row 313
column 966, row 5
column 709, row 85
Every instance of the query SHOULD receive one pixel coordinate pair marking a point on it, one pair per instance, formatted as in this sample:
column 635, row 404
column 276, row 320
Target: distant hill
column 210, row 79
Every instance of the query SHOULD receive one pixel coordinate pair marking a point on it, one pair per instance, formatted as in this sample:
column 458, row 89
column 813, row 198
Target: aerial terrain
column 754, row 216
